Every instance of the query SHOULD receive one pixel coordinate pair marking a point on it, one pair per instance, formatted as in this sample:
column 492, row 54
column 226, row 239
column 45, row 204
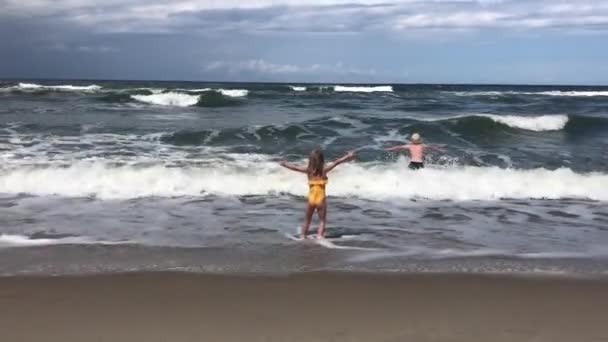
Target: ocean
column 115, row 176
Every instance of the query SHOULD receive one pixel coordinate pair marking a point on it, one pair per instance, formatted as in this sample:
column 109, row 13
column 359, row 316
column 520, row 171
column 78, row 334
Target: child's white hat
column 415, row 137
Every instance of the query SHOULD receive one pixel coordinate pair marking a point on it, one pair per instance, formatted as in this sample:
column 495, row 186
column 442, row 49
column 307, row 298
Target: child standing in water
column 317, row 179
column 416, row 149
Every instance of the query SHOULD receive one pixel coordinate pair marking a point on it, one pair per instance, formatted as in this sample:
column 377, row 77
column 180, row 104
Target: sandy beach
column 307, row 307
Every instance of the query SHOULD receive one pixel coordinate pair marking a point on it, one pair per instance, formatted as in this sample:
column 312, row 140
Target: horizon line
column 309, row 83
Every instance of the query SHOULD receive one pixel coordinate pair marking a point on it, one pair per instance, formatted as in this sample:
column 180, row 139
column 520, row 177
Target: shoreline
column 542, row 275
column 94, row 260
column 316, row 306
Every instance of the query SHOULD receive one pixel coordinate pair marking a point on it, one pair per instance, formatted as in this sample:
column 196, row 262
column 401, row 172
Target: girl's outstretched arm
column 347, row 157
column 397, row 148
column 293, row 167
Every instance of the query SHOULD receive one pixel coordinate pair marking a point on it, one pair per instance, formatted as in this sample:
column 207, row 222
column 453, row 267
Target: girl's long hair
column 316, row 163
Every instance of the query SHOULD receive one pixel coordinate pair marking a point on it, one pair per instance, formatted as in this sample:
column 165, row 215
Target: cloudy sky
column 439, row 41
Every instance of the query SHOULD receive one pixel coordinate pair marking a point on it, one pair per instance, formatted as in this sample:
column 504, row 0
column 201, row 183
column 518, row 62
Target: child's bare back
column 416, row 149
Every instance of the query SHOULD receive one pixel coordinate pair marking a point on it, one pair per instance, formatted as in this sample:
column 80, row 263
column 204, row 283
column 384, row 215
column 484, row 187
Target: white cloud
column 60, row 46
column 454, row 20
column 261, row 66
column 258, row 65
column 96, row 49
column 508, row 15
column 38, row 7
column 314, row 15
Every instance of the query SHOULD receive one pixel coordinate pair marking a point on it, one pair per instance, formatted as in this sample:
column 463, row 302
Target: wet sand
column 307, row 307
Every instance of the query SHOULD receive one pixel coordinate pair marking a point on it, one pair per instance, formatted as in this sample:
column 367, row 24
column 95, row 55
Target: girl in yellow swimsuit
column 317, row 179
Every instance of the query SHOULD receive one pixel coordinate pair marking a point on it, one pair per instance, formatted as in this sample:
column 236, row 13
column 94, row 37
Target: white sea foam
column 225, row 92
column 152, row 90
column 168, row 99
column 532, row 123
column 34, row 87
column 363, row 89
column 198, row 90
column 326, row 242
column 572, row 93
column 475, row 253
column 296, row 88
column 234, row 92
column 259, row 177
column 15, row 240
column 8, row 240
column 480, row 93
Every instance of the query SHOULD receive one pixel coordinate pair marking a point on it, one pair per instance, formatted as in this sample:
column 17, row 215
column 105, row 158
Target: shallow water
column 162, row 170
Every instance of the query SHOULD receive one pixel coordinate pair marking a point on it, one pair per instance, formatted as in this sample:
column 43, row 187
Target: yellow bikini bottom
column 316, row 191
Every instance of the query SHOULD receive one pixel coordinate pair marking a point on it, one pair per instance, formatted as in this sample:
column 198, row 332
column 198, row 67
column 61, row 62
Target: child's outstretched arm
column 435, row 147
column 397, row 148
column 347, row 157
column 293, row 167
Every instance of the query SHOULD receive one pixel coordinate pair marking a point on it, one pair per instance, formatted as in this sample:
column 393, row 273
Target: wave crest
column 297, row 88
column 569, row 93
column 574, row 93
column 234, row 92
column 33, row 87
column 531, row 123
column 168, row 99
column 205, row 99
column 388, row 89
column 225, row 92
column 250, row 176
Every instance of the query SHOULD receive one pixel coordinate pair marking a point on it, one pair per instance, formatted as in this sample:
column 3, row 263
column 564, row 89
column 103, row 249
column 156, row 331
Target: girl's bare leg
column 309, row 211
column 322, row 211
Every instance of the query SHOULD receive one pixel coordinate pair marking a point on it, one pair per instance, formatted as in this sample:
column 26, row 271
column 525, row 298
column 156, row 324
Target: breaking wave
column 354, row 89
column 296, row 88
column 33, row 87
column 259, row 177
column 532, row 123
column 208, row 98
column 571, row 93
column 168, row 99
